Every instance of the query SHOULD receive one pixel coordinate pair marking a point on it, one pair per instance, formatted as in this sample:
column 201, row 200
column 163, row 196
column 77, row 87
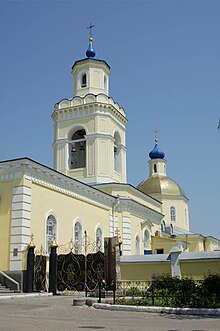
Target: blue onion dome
column 156, row 153
column 90, row 51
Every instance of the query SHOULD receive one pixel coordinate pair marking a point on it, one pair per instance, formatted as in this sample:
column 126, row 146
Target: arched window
column 117, row 152
column 83, row 81
column 155, row 168
column 173, row 214
column 98, row 239
column 146, row 239
column 78, row 240
column 105, row 83
column 137, row 245
column 78, row 149
column 51, row 231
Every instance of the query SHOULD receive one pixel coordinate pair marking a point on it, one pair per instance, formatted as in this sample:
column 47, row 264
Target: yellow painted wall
column 180, row 206
column 143, row 271
column 125, row 192
column 5, row 221
column 198, row 269
column 195, row 244
column 165, row 243
column 67, row 209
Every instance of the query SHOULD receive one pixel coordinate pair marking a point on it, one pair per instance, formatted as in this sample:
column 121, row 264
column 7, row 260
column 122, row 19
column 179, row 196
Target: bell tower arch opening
column 77, row 149
column 117, row 152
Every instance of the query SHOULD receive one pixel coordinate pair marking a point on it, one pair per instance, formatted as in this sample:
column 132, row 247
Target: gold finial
column 156, row 136
column 71, row 244
column 31, row 243
column 53, row 242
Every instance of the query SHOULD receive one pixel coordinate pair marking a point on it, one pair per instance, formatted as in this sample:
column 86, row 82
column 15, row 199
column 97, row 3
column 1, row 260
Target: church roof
column 160, row 185
column 91, row 60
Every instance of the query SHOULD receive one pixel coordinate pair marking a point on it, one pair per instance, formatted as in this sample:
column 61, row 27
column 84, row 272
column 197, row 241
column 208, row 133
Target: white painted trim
column 20, row 222
column 16, row 206
column 21, row 198
column 50, row 212
column 15, row 265
column 20, row 231
column 126, row 235
column 24, row 239
column 20, row 247
column 21, row 214
column 21, row 190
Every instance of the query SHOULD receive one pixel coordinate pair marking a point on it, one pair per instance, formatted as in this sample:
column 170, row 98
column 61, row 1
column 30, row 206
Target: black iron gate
column 40, row 270
column 40, row 273
column 71, row 272
column 94, row 269
column 82, row 269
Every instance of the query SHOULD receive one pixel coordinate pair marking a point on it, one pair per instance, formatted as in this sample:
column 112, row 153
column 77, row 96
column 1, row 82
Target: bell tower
column 90, row 128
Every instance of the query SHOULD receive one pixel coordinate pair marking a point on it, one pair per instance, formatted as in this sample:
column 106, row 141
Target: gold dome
column 160, row 185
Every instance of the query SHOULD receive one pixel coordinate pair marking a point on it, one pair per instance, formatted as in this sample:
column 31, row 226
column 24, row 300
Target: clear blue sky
column 165, row 60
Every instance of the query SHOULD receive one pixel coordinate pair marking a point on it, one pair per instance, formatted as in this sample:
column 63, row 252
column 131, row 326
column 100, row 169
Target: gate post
column 29, row 282
column 53, row 268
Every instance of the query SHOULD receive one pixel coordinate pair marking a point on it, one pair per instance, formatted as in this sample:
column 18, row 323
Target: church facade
column 87, row 188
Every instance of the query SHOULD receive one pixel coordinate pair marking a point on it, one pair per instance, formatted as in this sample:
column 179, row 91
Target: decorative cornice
column 78, row 107
column 52, row 179
column 139, row 210
column 132, row 190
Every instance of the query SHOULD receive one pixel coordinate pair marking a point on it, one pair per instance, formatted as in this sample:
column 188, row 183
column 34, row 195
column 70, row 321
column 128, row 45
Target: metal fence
column 172, row 292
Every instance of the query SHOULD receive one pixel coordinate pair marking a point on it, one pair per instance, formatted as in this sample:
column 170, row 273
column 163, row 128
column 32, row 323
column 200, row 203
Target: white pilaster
column 126, row 236
column 112, row 225
column 20, row 225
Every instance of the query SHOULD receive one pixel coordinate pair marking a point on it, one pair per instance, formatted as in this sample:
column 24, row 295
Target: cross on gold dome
column 90, row 28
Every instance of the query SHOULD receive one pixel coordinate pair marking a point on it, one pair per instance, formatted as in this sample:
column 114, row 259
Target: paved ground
column 57, row 313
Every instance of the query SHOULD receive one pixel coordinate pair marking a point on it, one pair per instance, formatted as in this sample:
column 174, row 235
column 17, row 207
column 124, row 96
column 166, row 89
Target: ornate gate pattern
column 40, row 271
column 80, row 272
column 71, row 272
column 95, row 269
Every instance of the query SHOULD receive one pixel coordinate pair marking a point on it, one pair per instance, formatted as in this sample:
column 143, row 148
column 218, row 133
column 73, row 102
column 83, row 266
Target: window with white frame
column 98, row 239
column 78, row 240
column 146, row 239
column 137, row 245
column 105, row 83
column 173, row 214
column 51, row 231
column 83, row 80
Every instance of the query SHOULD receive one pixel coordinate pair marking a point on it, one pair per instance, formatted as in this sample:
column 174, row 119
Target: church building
column 87, row 188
